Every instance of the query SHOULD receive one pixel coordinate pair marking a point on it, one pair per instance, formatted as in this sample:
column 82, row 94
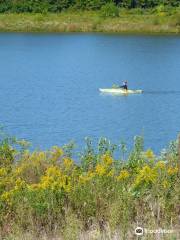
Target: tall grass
column 109, row 19
column 105, row 195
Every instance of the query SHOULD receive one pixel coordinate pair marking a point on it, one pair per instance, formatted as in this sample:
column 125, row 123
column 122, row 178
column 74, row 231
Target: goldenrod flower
column 6, row 196
column 18, row 170
column 57, row 153
column 67, row 163
column 55, row 179
column 53, row 171
column 83, row 179
column 172, row 170
column 160, row 165
column 124, row 174
column 149, row 154
column 100, row 169
column 107, row 159
column 3, row 172
column 147, row 175
column 111, row 173
column 19, row 184
column 41, row 155
column 86, row 177
column 91, row 174
column 33, row 186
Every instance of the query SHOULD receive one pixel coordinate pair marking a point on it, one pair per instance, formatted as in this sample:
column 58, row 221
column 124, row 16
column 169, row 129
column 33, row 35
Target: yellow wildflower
column 18, row 171
column 46, row 182
column 19, row 184
column 53, row 171
column 67, row 163
column 147, row 175
column 55, row 179
column 111, row 173
column 160, row 165
column 6, row 196
column 41, row 155
column 107, row 159
column 172, row 170
column 124, row 174
column 68, row 187
column 38, row 156
column 83, row 179
column 149, row 154
column 57, row 153
column 100, row 169
column 87, row 177
column 33, row 186
column 91, row 174
column 3, row 172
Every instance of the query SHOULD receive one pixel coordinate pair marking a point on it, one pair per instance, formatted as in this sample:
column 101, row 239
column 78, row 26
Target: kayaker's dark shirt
column 125, row 86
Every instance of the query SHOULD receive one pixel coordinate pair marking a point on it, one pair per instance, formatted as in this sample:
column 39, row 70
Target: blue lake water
column 49, row 87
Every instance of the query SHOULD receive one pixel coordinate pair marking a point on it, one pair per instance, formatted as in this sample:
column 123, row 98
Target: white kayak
column 119, row 91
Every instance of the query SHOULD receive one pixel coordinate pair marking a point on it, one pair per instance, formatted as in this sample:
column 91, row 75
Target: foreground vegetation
column 46, row 194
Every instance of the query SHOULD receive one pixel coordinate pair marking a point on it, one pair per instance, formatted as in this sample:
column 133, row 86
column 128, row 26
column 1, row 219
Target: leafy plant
column 109, row 10
column 97, row 192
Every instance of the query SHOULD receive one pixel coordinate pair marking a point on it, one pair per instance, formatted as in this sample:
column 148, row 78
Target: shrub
column 176, row 20
column 59, row 5
column 5, row 6
column 109, row 10
column 156, row 21
column 59, row 195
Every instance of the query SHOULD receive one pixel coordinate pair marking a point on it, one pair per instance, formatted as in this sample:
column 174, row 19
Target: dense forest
column 41, row 6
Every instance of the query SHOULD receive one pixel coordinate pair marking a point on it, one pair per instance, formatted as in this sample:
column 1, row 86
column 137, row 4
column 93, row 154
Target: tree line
column 40, row 6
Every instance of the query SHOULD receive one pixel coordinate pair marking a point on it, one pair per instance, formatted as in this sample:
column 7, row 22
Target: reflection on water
column 162, row 92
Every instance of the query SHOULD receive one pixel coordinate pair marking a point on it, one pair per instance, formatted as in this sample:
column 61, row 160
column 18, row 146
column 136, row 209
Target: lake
column 49, row 88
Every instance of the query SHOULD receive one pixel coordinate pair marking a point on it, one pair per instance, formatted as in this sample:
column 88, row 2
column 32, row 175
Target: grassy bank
column 128, row 21
column 46, row 195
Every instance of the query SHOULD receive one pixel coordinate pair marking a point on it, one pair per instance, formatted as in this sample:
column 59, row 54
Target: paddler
column 125, row 85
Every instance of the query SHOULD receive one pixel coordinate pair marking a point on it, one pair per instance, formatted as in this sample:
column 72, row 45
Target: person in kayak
column 125, row 85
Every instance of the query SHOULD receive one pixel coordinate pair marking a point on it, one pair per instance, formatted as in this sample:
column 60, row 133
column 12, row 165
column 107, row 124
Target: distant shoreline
column 91, row 22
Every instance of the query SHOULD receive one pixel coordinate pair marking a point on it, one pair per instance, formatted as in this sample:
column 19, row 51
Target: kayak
column 119, row 91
